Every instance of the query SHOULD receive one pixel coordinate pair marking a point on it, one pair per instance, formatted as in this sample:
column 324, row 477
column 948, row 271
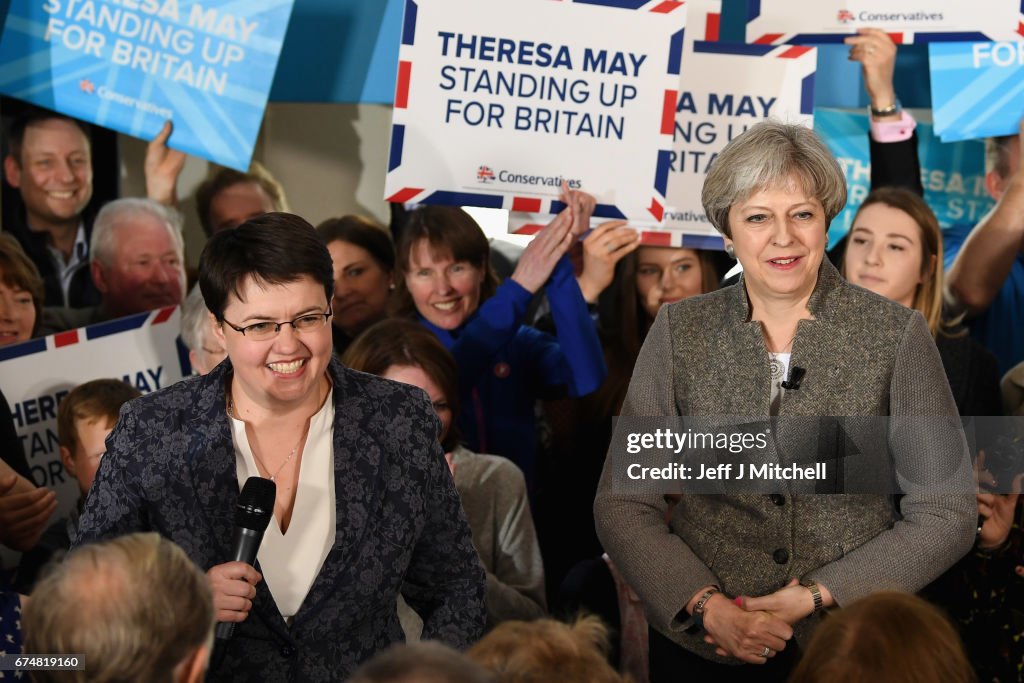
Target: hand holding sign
column 162, row 167
column 541, row 255
column 603, row 248
column 876, row 52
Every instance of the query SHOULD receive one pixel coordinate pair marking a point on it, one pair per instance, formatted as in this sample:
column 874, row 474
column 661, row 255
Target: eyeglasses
column 268, row 330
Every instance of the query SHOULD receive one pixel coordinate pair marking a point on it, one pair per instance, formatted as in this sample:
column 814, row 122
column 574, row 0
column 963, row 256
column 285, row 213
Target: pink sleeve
column 893, row 131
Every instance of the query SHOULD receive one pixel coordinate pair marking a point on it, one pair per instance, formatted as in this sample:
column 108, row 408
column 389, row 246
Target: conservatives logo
column 86, row 86
column 845, row 16
column 484, row 174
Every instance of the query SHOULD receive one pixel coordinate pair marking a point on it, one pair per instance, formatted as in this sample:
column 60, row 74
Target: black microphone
column 796, row 375
column 252, row 515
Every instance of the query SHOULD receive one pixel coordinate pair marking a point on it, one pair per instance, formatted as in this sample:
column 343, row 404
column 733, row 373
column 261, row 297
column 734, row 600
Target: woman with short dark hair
column 279, row 407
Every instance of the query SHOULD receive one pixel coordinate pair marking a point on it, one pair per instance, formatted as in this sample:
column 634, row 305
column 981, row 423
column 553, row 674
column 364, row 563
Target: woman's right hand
column 233, row 585
column 876, row 52
column 542, row 253
column 742, row 634
column 603, row 248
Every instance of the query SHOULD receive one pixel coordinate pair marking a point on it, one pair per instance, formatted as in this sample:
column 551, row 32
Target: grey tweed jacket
column 864, row 355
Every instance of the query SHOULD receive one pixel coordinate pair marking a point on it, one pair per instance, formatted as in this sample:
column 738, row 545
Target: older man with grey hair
column 137, row 264
column 134, row 607
column 205, row 351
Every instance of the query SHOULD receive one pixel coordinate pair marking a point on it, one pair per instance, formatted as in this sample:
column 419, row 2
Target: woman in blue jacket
column 504, row 366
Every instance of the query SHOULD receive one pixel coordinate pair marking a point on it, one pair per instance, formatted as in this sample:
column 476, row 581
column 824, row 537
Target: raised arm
column 987, row 255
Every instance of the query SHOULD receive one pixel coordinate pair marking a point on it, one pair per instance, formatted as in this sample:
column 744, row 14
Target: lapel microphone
column 252, row 515
column 796, row 376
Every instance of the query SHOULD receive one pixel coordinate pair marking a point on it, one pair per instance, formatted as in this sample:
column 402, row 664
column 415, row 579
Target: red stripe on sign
column 65, row 338
column 528, row 204
column 656, row 209
column 794, row 52
column 164, row 315
column 711, row 27
column 1020, row 28
column 667, row 6
column 402, row 85
column 529, row 229
column 668, row 113
column 768, row 38
column 404, row 195
column 897, row 38
column 656, row 239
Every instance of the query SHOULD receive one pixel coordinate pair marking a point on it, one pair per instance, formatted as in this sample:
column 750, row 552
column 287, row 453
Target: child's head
column 85, row 418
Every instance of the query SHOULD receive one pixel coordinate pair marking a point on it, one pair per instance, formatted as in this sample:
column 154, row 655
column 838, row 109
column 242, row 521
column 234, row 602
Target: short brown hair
column 404, row 342
column 449, row 231
column 18, row 272
column 134, row 606
column 544, row 650
column 364, row 233
column 887, row 637
column 33, row 117
column 225, row 178
column 100, row 398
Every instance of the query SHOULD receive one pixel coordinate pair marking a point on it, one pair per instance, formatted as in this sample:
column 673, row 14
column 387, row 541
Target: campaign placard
column 36, row 376
column 953, row 174
column 498, row 103
column 977, row 89
column 771, row 22
column 724, row 90
column 130, row 65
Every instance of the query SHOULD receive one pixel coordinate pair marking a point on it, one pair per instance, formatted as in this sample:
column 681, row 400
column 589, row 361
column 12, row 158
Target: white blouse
column 291, row 561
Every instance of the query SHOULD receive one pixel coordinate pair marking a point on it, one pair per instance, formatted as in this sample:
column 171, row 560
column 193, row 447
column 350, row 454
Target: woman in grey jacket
column 790, row 339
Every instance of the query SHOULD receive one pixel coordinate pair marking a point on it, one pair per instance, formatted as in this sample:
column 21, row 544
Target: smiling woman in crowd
column 323, row 595
column 772, row 193
column 448, row 285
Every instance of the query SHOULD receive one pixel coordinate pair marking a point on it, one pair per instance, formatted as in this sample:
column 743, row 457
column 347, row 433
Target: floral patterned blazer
column 170, row 468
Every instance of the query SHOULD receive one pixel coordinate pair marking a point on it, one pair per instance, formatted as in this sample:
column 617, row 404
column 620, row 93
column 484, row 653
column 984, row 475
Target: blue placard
column 953, row 174
column 977, row 89
column 130, row 64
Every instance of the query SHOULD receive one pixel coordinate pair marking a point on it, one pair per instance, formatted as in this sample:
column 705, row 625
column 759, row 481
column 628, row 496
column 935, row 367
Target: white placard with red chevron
column 36, row 375
column 498, row 101
column 771, row 22
column 725, row 89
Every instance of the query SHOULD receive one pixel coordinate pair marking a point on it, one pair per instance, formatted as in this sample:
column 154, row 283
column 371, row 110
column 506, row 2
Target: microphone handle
column 246, row 545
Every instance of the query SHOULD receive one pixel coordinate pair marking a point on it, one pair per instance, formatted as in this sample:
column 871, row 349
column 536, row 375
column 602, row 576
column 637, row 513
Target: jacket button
column 778, row 499
column 781, row 556
column 287, row 651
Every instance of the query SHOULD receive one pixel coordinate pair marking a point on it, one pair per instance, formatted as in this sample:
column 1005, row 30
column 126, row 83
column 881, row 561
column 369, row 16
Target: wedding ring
column 766, row 652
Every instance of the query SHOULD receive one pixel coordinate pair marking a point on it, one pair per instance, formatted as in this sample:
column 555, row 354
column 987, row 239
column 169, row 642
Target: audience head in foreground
column 426, row 662
column 886, row 637
column 135, row 607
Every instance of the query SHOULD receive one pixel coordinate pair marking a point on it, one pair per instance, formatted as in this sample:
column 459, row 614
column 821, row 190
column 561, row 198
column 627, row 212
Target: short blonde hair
column 547, row 650
column 765, row 156
column 135, row 607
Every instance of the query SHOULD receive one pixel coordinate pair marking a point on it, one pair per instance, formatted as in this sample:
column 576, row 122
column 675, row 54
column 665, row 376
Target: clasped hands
column 755, row 629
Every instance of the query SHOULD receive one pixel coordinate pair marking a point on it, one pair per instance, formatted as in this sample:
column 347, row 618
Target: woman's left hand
column 791, row 603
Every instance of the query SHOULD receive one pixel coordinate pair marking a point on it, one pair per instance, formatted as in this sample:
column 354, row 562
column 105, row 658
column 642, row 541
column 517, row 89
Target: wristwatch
column 698, row 610
column 819, row 603
column 891, row 110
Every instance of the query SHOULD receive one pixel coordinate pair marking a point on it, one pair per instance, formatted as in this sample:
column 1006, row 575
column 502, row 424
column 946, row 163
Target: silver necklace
column 273, row 477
